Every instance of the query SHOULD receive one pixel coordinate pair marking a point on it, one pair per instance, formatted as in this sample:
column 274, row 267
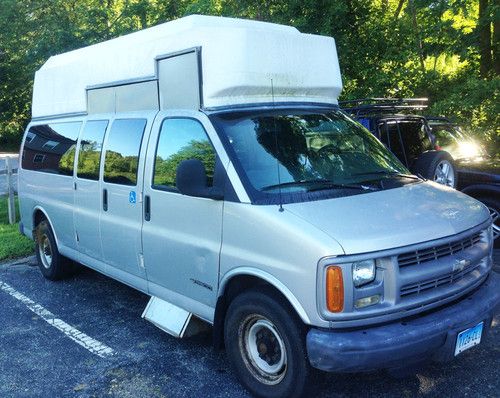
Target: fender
column 250, row 271
column 482, row 188
column 35, row 209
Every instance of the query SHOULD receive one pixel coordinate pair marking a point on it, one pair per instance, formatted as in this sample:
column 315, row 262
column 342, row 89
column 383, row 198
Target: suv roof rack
column 383, row 105
column 439, row 119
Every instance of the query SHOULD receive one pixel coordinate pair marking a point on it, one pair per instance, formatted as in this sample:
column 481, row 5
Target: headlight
column 363, row 272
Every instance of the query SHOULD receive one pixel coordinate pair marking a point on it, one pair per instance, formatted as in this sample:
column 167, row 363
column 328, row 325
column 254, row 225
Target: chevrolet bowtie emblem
column 460, row 265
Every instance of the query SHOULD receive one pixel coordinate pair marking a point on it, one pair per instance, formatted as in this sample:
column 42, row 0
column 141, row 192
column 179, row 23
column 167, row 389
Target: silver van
column 270, row 215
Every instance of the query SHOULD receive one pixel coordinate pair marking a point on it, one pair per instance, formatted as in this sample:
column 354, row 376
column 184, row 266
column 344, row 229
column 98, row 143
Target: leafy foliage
column 445, row 49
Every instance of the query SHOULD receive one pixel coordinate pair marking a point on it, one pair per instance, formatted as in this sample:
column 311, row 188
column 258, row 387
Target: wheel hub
column 45, row 250
column 444, row 174
column 263, row 349
column 267, row 347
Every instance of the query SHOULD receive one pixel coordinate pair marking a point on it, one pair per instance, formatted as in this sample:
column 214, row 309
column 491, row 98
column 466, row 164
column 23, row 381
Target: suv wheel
column 437, row 166
column 493, row 206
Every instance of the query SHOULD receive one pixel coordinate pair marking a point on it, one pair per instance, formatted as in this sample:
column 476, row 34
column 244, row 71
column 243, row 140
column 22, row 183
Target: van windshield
column 290, row 152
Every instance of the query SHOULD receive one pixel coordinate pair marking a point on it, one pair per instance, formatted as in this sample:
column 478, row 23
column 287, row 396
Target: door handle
column 147, row 208
column 105, row 199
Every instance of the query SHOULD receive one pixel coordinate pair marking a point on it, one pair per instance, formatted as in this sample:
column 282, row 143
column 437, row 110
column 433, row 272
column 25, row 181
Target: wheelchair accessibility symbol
column 132, row 197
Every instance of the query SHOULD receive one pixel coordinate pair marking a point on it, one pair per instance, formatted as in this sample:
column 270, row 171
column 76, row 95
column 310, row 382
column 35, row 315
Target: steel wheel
column 444, row 173
column 45, row 250
column 52, row 265
column 262, row 350
column 265, row 343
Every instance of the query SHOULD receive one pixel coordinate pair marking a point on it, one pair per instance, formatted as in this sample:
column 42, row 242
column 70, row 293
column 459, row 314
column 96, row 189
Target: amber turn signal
column 334, row 289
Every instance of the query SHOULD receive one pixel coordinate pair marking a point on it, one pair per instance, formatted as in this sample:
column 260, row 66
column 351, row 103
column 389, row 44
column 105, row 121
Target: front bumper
column 429, row 336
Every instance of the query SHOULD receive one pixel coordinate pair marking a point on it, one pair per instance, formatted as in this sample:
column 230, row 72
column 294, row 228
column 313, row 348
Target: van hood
column 393, row 218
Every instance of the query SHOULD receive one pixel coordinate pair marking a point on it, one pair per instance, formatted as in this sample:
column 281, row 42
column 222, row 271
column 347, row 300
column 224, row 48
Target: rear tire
column 52, row 264
column 265, row 343
column 437, row 166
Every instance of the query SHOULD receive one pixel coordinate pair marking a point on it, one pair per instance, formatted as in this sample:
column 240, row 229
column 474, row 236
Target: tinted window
column 414, row 138
column 445, row 136
column 90, row 149
column 407, row 139
column 122, row 151
column 391, row 136
column 181, row 139
column 51, row 148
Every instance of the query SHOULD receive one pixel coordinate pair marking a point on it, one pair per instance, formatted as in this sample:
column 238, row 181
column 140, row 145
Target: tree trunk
column 398, row 10
column 485, row 62
column 496, row 36
column 420, row 46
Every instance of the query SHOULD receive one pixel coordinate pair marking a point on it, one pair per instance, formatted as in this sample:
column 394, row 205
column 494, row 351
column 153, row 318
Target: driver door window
column 181, row 139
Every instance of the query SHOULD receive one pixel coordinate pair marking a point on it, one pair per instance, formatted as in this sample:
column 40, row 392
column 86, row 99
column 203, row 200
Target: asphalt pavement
column 84, row 337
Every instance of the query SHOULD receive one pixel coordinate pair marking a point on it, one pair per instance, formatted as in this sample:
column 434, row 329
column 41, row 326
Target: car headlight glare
column 363, row 272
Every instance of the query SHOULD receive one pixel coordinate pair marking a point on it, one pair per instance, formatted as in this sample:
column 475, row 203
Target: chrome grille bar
column 436, row 252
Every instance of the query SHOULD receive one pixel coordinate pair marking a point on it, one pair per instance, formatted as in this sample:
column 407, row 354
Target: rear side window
column 89, row 154
column 181, row 139
column 50, row 148
column 122, row 151
column 415, row 139
column 391, row 135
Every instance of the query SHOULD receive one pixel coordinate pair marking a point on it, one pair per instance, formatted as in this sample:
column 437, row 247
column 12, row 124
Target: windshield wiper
column 324, row 184
column 388, row 173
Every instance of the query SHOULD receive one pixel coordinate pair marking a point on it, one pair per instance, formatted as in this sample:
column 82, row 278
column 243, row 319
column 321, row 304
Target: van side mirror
column 191, row 180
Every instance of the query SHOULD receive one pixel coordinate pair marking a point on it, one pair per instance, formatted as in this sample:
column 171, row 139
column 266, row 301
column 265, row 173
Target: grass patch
column 12, row 243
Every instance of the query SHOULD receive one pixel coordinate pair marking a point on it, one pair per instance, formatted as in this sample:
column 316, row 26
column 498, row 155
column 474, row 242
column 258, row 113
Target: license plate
column 468, row 338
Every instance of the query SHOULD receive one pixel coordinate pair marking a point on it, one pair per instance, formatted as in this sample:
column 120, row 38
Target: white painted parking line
column 87, row 342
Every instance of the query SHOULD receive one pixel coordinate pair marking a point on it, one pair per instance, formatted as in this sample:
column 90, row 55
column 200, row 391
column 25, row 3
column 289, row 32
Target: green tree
column 445, row 49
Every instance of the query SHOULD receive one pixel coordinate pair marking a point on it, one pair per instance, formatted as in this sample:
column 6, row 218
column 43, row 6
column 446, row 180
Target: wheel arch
column 481, row 190
column 426, row 164
column 40, row 214
column 244, row 278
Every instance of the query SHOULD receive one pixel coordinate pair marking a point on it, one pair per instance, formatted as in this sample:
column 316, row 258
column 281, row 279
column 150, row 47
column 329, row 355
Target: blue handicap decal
column 132, row 197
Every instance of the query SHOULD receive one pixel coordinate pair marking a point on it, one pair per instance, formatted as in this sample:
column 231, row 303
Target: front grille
column 447, row 279
column 436, row 252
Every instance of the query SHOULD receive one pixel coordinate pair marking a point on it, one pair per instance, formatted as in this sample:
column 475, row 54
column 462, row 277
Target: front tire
column 51, row 263
column 265, row 342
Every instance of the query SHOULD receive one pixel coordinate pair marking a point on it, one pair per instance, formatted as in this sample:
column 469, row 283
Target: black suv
column 408, row 136
column 478, row 172
column 432, row 147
